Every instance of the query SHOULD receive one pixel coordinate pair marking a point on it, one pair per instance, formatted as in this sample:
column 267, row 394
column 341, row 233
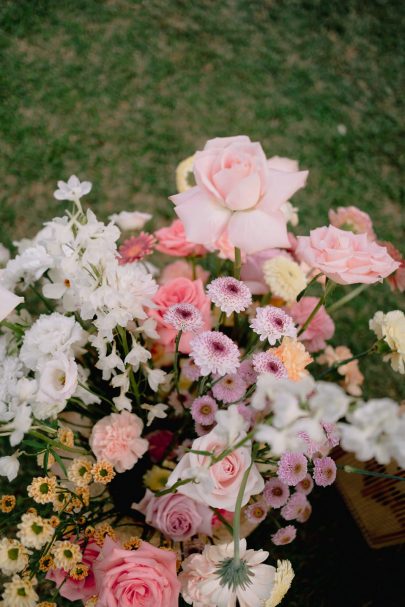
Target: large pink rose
column 319, row 329
column 145, row 577
column 219, row 484
column 117, row 439
column 75, row 590
column 176, row 516
column 239, row 191
column 344, row 257
column 172, row 240
column 179, row 290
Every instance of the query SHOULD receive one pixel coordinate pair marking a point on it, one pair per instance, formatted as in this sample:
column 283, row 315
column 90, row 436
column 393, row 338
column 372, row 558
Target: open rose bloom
column 166, row 407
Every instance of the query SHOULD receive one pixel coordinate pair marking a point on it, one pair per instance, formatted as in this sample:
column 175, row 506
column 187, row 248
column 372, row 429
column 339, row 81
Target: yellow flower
column 7, row 503
column 101, row 531
column 156, row 478
column 42, row 489
column 19, row 592
column 282, row 581
column 133, row 543
column 66, row 437
column 46, row 562
column 103, row 472
column 79, row 572
column 80, row 472
column 284, row 277
column 13, row 556
column 34, row 531
column 184, row 174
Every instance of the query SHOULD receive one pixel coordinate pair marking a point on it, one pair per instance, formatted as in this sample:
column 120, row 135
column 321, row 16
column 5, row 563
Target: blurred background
column 119, row 91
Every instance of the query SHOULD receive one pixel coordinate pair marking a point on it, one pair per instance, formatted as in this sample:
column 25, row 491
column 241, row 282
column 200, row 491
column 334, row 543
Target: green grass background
column 118, row 91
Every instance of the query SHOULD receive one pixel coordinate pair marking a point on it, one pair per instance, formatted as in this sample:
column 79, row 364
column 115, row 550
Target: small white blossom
column 9, row 466
column 73, row 189
column 155, row 411
column 134, row 220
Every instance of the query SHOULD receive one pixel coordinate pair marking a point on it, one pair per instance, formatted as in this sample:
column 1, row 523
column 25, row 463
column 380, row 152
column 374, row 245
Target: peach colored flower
column 182, row 269
column 353, row 219
column 344, row 257
column 116, row 438
column 293, row 355
column 172, row 241
column 352, row 377
column 239, row 192
column 179, row 290
column 319, row 329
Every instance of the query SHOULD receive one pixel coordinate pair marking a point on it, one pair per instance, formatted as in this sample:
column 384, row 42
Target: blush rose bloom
column 344, row 257
column 172, row 241
column 238, row 192
column 182, row 269
column 319, row 329
column 176, row 516
column 132, row 578
column 353, row 219
column 220, row 487
column 77, row 590
column 179, row 290
column 117, row 439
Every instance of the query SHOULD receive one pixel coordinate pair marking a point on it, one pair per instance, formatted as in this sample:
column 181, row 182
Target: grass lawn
column 118, row 91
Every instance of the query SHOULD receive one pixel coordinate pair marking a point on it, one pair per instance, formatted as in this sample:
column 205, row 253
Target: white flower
column 29, row 266
column 21, row 424
column 9, row 466
column 282, row 582
column 34, row 531
column 329, row 402
column 19, row 592
column 149, row 328
column 290, row 213
column 107, row 364
column 391, row 328
column 155, row 377
column 8, row 302
column 13, row 556
column 284, row 277
column 72, row 190
column 137, row 355
column 58, row 379
column 268, row 388
column 230, row 424
column 155, row 411
column 4, row 255
column 134, row 220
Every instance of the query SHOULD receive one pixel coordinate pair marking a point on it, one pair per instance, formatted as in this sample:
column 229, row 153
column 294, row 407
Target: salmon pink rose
column 179, row 290
column 173, row 241
column 145, row 577
column 345, row 257
column 77, row 590
column 237, row 192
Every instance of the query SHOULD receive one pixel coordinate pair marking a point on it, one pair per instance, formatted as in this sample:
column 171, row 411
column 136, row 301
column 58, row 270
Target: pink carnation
column 117, row 439
column 172, row 240
column 77, row 590
column 146, row 576
column 353, row 219
column 237, row 192
column 344, row 257
column 182, row 269
column 319, row 329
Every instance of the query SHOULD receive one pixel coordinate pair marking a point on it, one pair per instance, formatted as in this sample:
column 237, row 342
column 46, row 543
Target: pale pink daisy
column 214, row 352
column 272, row 323
column 265, row 362
column 189, row 369
column 247, row 372
column 203, row 410
column 184, row 317
column 230, row 389
column 136, row 248
column 284, row 536
column 296, row 508
column 276, row 493
column 324, row 471
column 292, row 468
column 229, row 295
column 306, row 485
column 256, row 512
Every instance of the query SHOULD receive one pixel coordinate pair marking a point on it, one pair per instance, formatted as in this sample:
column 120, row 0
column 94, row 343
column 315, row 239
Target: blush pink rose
column 344, row 257
column 353, row 219
column 179, row 290
column 75, row 590
column 182, row 269
column 172, row 241
column 252, row 270
column 238, row 191
column 319, row 329
column 177, row 516
column 117, row 439
column 218, row 484
column 145, row 577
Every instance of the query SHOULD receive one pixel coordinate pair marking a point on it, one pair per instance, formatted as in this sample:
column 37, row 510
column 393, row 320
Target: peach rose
column 179, row 290
column 173, row 241
column 182, row 269
column 117, row 439
column 130, row 578
column 344, row 257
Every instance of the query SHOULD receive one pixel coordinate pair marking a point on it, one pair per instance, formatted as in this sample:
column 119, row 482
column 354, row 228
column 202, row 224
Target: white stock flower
column 9, row 466
column 20, row 424
column 329, row 402
column 155, row 411
column 127, row 220
column 230, row 424
column 73, row 189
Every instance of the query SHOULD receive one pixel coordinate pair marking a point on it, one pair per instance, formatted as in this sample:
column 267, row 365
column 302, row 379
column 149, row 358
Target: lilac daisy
column 256, row 512
column 230, row 389
column 214, row 352
column 276, row 493
column 229, row 294
column 189, row 369
column 292, row 468
column 203, row 410
column 265, row 362
column 324, row 471
column 297, row 508
column 273, row 323
column 284, row 536
column 306, row 485
column 247, row 372
column 184, row 317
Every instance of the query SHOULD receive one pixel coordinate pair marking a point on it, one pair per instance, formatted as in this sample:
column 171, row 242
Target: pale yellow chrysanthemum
column 66, row 436
column 19, row 592
column 133, row 543
column 282, row 581
column 66, row 554
column 184, row 174
column 391, row 328
column 46, row 563
column 13, row 556
column 34, row 531
column 79, row 472
column 103, row 472
column 156, row 478
column 284, row 277
column 60, row 501
column 83, row 497
column 42, row 489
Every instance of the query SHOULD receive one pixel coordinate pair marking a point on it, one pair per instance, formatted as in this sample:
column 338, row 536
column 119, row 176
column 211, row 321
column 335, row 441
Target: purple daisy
column 229, row 294
column 256, row 512
column 230, row 389
column 306, row 485
column 297, row 508
column 214, row 352
column 324, row 471
column 284, row 536
column 203, row 410
column 292, row 468
column 273, row 323
column 276, row 493
column 265, row 362
column 184, row 317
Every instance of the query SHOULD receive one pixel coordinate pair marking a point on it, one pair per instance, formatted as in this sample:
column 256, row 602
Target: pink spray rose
column 176, row 516
column 179, row 290
column 239, row 192
column 252, row 270
column 77, row 590
column 319, row 329
column 344, row 257
column 117, row 439
column 133, row 578
column 182, row 269
column 353, row 219
column 173, row 241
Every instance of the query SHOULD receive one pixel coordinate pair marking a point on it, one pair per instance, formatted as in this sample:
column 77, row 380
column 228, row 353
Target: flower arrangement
column 164, row 414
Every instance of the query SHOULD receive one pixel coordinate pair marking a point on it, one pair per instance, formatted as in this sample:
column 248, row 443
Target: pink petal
column 223, row 142
column 283, row 164
column 246, row 193
column 254, row 231
column 280, row 187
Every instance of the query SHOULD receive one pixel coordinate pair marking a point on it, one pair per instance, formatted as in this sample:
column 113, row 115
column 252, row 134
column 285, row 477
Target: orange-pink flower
column 293, row 355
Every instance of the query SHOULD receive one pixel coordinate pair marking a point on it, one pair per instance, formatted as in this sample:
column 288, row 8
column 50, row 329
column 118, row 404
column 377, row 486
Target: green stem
column 328, row 288
column 311, row 282
column 42, row 298
column 352, row 470
column 238, row 263
column 236, row 519
column 123, row 334
column 346, row 298
column 176, row 361
column 173, row 488
column 56, row 444
column 220, row 320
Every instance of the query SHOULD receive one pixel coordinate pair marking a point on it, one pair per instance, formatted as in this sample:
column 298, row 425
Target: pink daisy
column 273, row 323
column 136, row 248
column 324, row 471
column 264, row 362
column 276, row 493
column 189, row 369
column 229, row 294
column 296, row 508
column 214, row 352
column 256, row 512
column 306, row 485
column 284, row 536
column 203, row 410
column 230, row 389
column 292, row 468
column 183, row 317
column 247, row 372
